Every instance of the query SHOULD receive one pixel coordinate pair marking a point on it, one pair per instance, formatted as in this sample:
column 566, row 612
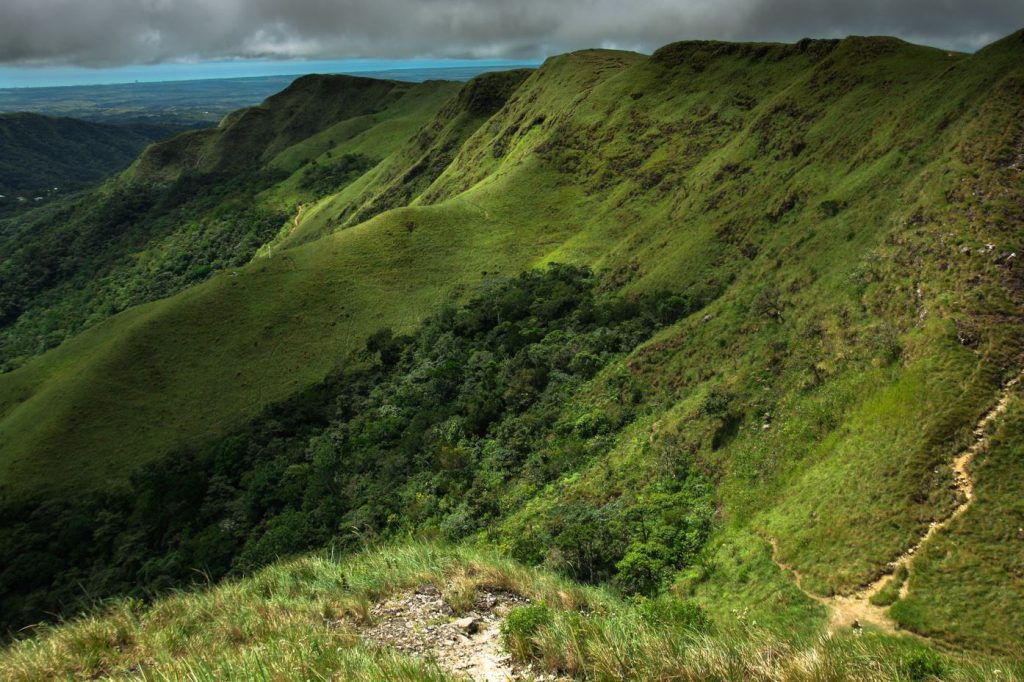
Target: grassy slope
column 816, row 198
column 288, row 344
column 844, row 402
column 977, row 561
column 251, row 137
column 244, row 339
column 300, row 620
column 415, row 158
column 839, row 403
column 169, row 222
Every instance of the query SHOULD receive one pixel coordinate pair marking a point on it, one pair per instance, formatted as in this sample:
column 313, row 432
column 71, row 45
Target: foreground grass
column 300, row 620
column 295, row 620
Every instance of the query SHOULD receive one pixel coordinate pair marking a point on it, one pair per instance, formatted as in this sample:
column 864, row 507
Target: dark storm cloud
column 113, row 32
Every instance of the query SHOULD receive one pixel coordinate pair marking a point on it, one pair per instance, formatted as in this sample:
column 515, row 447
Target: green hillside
column 780, row 291
column 44, row 156
column 172, row 220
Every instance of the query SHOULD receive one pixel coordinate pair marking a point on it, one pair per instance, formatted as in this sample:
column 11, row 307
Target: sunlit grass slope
column 840, row 214
column 847, row 211
column 413, row 165
column 192, row 365
column 978, row 562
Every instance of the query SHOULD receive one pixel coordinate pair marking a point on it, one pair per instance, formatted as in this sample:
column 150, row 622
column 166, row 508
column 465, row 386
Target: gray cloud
column 116, row 32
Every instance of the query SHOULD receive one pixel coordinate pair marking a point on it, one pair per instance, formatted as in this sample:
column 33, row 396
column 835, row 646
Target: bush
column 585, row 364
column 643, row 569
column 590, row 425
column 288, row 533
column 670, row 613
column 716, row 403
column 921, row 665
column 521, row 626
column 448, row 430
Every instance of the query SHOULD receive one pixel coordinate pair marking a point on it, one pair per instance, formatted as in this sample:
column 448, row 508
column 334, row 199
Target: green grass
column 179, row 214
column 300, row 620
column 260, row 345
column 966, row 585
column 826, row 208
column 890, row 593
column 414, row 156
column 739, row 585
column 824, row 522
column 294, row 621
column 254, row 136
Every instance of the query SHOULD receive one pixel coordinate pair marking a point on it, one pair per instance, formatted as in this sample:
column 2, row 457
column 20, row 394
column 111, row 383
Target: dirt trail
column 856, row 609
column 420, row 623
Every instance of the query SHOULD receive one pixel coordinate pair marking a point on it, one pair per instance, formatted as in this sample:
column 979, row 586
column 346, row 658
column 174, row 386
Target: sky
column 59, row 75
column 52, row 42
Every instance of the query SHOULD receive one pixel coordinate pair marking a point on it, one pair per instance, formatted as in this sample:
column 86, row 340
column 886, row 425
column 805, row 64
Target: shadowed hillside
column 46, row 156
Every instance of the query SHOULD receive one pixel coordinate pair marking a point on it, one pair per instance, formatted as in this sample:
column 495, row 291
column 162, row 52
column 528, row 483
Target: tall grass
column 300, row 620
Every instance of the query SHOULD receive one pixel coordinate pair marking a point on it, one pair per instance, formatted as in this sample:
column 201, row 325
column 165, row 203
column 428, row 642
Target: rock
column 469, row 625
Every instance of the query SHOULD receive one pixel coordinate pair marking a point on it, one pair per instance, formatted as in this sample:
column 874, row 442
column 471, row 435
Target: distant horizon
column 32, row 78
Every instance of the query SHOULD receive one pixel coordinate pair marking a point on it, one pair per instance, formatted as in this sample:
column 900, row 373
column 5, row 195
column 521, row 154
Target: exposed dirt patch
column 846, row 611
column 855, row 610
column 420, row 623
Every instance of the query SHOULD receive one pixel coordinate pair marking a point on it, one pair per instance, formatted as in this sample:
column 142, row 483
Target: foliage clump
column 323, row 179
column 425, row 432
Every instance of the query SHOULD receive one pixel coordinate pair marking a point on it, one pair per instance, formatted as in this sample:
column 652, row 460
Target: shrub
column 288, row 533
column 643, row 569
column 830, row 208
column 589, row 425
column 585, row 364
column 716, row 403
column 921, row 665
column 520, row 628
column 668, row 612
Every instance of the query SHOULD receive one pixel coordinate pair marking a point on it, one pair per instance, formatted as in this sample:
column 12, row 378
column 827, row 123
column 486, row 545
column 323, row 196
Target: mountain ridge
column 251, row 135
column 828, row 224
